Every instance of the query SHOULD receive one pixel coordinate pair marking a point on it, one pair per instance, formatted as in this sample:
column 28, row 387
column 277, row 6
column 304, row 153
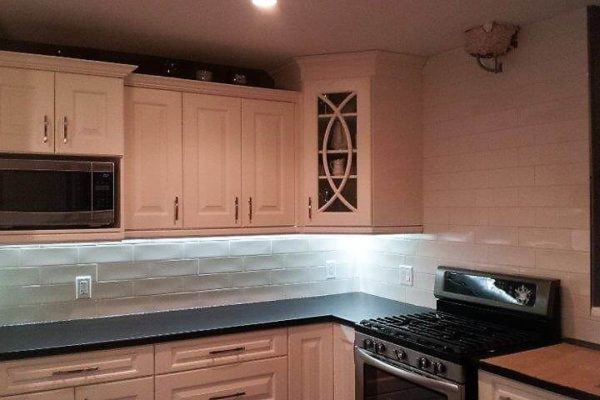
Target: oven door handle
column 447, row 388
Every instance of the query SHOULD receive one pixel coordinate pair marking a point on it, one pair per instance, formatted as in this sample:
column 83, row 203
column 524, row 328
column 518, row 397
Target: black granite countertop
column 45, row 339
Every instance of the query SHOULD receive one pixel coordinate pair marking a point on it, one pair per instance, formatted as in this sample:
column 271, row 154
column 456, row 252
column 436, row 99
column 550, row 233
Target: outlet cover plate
column 83, row 287
column 406, row 275
column 330, row 269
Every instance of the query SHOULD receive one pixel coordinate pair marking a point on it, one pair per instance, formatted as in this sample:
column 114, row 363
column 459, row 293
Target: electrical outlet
column 330, row 269
column 83, row 287
column 406, row 275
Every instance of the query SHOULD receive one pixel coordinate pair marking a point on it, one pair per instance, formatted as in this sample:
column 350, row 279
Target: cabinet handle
column 176, row 209
column 250, row 208
column 505, row 398
column 229, row 396
column 75, row 371
column 237, row 209
column 234, row 350
column 46, row 124
column 310, row 208
column 65, row 130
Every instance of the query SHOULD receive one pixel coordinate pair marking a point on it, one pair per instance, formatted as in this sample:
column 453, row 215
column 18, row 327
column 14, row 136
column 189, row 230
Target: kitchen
column 345, row 184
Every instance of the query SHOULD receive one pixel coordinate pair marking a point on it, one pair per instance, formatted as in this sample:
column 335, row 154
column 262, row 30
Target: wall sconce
column 490, row 41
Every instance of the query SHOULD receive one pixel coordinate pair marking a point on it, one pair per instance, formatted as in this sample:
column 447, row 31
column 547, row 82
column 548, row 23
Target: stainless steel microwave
column 57, row 194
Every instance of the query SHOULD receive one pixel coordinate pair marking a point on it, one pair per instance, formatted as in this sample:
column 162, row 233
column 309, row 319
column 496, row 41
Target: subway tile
column 562, row 217
column 122, row 271
column 66, row 273
column 173, row 268
column 497, row 197
column 207, row 249
column 263, row 293
column 580, row 240
column 27, row 295
column 263, row 262
column 290, row 246
column 555, row 153
column 19, row 276
column 468, row 216
column 563, row 260
column 174, row 301
column 496, row 236
column 512, row 216
column 68, row 311
column 21, row 315
column 512, row 255
column 125, row 306
column 9, row 258
column 304, row 260
column 207, row 282
column 511, row 177
column 551, row 196
column 216, row 265
column 31, row 256
column 249, row 279
column 105, row 253
column 220, row 297
column 112, row 290
column 158, row 251
column 298, row 275
column 249, row 247
column 545, row 238
column 145, row 287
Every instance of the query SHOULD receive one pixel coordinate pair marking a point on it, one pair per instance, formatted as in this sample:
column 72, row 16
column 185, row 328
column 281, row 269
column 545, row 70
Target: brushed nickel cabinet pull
column 505, row 398
column 46, row 124
column 176, row 209
column 310, row 208
column 229, row 396
column 75, row 371
column 234, row 350
column 237, row 209
column 65, row 130
column 250, row 208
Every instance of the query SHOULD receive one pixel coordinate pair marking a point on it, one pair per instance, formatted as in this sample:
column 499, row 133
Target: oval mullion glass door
column 338, row 152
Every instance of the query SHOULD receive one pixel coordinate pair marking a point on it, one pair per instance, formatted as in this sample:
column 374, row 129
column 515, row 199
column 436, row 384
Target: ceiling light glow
column 264, row 3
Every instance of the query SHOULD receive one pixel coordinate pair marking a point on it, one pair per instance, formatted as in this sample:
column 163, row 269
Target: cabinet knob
column 65, row 130
column 46, row 125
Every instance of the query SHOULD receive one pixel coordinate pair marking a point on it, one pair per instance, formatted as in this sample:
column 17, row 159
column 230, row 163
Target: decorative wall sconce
column 490, row 41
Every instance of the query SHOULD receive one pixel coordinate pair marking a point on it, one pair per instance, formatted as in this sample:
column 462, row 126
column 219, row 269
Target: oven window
column 45, row 191
column 380, row 385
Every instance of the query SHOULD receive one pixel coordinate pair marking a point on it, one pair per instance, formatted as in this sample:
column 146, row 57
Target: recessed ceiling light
column 264, row 3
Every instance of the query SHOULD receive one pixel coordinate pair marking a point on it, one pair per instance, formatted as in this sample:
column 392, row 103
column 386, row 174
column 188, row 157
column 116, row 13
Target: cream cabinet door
column 261, row 379
column 311, row 362
column 343, row 363
column 135, row 389
column 153, row 159
column 268, row 163
column 26, row 111
column 63, row 394
column 211, row 161
column 89, row 114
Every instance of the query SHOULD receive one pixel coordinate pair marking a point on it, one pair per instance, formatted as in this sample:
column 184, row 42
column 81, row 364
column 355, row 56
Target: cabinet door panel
column 211, row 160
column 343, row 363
column 311, row 362
column 89, row 114
column 63, row 394
column 153, row 158
column 26, row 111
column 268, row 163
column 136, row 389
column 264, row 379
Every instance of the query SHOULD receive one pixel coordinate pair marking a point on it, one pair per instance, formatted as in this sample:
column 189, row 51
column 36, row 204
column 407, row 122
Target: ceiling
column 234, row 32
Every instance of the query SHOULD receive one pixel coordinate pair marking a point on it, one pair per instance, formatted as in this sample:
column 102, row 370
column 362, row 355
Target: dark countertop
column 567, row 369
column 45, row 339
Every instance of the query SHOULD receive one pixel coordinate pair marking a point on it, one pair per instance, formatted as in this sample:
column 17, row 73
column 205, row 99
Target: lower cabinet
column 136, row 389
column 493, row 387
column 262, row 379
column 64, row 394
column 343, row 363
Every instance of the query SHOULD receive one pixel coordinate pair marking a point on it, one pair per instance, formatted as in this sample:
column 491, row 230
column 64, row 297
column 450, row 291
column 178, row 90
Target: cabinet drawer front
column 63, row 394
column 75, row 369
column 135, row 389
column 262, row 379
column 220, row 350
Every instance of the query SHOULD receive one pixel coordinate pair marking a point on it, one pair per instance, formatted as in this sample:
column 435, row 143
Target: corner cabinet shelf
column 362, row 143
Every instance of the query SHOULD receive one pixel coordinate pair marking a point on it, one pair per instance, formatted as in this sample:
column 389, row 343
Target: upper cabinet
column 362, row 141
column 56, row 105
column 197, row 162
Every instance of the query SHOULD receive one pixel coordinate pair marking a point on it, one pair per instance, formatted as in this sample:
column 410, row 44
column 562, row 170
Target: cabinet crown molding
column 64, row 64
column 211, row 88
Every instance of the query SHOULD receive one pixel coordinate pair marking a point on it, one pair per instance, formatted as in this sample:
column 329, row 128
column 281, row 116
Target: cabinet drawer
column 134, row 389
column 220, row 350
column 63, row 394
column 261, row 379
column 494, row 387
column 75, row 369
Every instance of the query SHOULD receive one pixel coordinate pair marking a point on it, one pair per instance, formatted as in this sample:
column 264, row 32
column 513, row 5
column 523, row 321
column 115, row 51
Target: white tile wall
column 506, row 171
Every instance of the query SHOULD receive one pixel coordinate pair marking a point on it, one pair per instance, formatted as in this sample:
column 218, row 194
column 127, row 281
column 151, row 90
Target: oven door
column 379, row 380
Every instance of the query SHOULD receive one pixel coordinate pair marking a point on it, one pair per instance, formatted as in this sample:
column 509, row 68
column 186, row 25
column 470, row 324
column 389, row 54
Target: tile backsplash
column 37, row 282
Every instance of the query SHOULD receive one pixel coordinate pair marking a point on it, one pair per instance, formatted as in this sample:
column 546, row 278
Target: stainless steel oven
column 379, row 378
column 53, row 194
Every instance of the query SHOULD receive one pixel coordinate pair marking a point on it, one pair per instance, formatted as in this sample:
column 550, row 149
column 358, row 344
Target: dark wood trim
column 594, row 74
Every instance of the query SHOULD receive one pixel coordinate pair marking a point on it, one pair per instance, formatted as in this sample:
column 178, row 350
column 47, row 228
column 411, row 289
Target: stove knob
column 439, row 368
column 368, row 343
column 424, row 363
column 400, row 354
column 380, row 348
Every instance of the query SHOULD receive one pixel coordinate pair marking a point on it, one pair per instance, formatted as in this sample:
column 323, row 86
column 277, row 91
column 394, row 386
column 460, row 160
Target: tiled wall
column 505, row 171
column 37, row 282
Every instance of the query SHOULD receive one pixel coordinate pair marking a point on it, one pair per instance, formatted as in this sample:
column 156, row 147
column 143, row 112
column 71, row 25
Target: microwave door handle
column 433, row 384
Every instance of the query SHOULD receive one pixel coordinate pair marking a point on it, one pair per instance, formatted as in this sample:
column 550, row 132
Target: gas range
column 478, row 315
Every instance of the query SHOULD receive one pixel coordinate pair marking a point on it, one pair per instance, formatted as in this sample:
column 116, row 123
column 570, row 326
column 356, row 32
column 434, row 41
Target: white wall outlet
column 330, row 269
column 83, row 287
column 406, row 275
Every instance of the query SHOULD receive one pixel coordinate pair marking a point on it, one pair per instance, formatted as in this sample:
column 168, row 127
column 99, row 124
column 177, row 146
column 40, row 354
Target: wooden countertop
column 564, row 365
